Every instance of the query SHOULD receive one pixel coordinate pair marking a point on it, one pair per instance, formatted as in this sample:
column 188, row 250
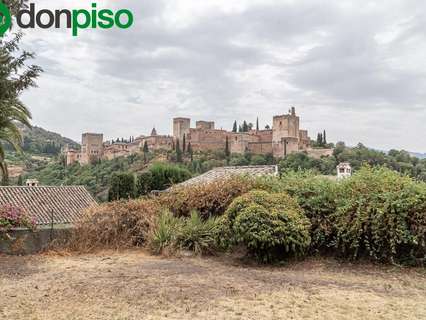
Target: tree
column 257, row 124
column 319, row 139
column 191, row 153
column 20, row 182
column 184, row 143
column 324, row 138
column 15, row 77
column 227, row 151
column 144, row 183
column 267, row 127
column 240, row 128
column 122, row 186
column 234, row 128
column 145, row 151
column 245, row 126
column 178, row 152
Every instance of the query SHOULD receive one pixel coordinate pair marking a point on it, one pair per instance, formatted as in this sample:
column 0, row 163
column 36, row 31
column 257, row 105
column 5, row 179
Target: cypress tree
column 184, row 143
column 227, row 151
column 245, row 126
column 190, row 152
column 234, row 128
column 145, row 151
column 178, row 152
column 257, row 124
column 324, row 138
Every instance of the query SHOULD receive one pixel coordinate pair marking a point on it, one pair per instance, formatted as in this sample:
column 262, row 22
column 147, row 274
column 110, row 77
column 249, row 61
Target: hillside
column 40, row 141
column 40, row 147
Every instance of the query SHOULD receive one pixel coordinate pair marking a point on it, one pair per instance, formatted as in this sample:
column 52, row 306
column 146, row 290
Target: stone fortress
column 284, row 138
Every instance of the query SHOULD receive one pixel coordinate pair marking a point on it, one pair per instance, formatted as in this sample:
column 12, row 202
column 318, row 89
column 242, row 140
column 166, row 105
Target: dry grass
column 135, row 285
column 114, row 225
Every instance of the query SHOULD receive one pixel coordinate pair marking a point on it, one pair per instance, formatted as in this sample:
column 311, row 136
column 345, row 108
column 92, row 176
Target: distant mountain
column 38, row 141
column 418, row 155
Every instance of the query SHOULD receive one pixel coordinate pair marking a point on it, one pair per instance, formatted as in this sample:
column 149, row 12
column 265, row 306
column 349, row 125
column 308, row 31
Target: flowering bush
column 13, row 217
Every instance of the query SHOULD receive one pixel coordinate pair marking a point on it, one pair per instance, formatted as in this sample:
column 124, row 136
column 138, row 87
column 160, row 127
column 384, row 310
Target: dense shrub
column 382, row 214
column 163, row 234
column 197, row 235
column 115, row 225
column 14, row 217
column 188, row 233
column 317, row 195
column 271, row 226
column 144, row 183
column 122, row 186
column 165, row 175
column 209, row 199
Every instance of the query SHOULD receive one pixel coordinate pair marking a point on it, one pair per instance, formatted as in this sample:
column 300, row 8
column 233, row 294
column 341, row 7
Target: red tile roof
column 64, row 203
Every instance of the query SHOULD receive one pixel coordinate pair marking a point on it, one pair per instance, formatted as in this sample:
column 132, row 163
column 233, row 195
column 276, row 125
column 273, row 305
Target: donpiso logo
column 74, row 19
column 5, row 19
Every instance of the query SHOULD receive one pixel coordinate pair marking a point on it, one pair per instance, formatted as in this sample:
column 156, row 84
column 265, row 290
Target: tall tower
column 91, row 147
column 285, row 134
column 181, row 127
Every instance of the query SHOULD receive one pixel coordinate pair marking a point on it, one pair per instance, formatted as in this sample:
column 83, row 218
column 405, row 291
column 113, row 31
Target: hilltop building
column 284, row 138
column 344, row 170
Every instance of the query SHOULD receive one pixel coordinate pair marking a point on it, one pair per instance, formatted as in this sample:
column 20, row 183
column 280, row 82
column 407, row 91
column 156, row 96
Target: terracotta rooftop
column 65, row 203
column 226, row 172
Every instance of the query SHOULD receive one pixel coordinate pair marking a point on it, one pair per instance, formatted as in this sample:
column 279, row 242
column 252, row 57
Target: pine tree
column 234, row 128
column 257, row 124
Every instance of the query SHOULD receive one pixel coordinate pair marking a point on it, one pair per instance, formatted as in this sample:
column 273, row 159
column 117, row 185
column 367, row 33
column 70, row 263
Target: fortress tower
column 180, row 127
column 91, row 147
column 206, row 125
column 285, row 134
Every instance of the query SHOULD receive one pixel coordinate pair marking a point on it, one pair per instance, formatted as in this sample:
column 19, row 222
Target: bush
column 115, row 225
column 197, row 235
column 190, row 233
column 122, row 186
column 382, row 214
column 165, row 175
column 270, row 226
column 164, row 233
column 316, row 195
column 144, row 183
column 209, row 199
column 14, row 217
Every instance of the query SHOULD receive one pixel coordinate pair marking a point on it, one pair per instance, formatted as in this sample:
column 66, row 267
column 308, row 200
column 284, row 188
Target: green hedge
column 271, row 226
column 381, row 214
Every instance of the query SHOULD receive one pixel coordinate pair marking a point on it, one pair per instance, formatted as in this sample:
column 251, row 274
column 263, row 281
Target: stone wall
column 24, row 241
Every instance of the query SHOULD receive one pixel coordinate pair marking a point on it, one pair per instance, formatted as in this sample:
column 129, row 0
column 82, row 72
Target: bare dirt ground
column 135, row 285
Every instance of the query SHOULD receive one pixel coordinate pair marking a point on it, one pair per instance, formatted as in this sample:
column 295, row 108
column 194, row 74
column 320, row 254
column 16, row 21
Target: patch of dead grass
column 135, row 285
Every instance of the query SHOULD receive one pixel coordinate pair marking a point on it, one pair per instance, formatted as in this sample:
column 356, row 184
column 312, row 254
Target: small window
column 342, row 170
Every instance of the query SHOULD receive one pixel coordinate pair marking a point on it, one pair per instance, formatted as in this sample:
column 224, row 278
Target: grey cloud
column 323, row 57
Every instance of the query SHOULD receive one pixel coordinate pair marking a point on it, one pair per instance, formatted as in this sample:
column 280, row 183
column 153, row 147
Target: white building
column 344, row 170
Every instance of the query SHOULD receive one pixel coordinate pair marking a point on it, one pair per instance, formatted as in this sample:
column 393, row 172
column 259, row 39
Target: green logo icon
column 5, row 19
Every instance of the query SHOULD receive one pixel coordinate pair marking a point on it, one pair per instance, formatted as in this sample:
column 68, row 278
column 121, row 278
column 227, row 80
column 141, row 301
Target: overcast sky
column 354, row 68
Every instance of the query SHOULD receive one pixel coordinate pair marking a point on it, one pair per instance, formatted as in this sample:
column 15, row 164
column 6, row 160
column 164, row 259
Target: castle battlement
column 283, row 138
